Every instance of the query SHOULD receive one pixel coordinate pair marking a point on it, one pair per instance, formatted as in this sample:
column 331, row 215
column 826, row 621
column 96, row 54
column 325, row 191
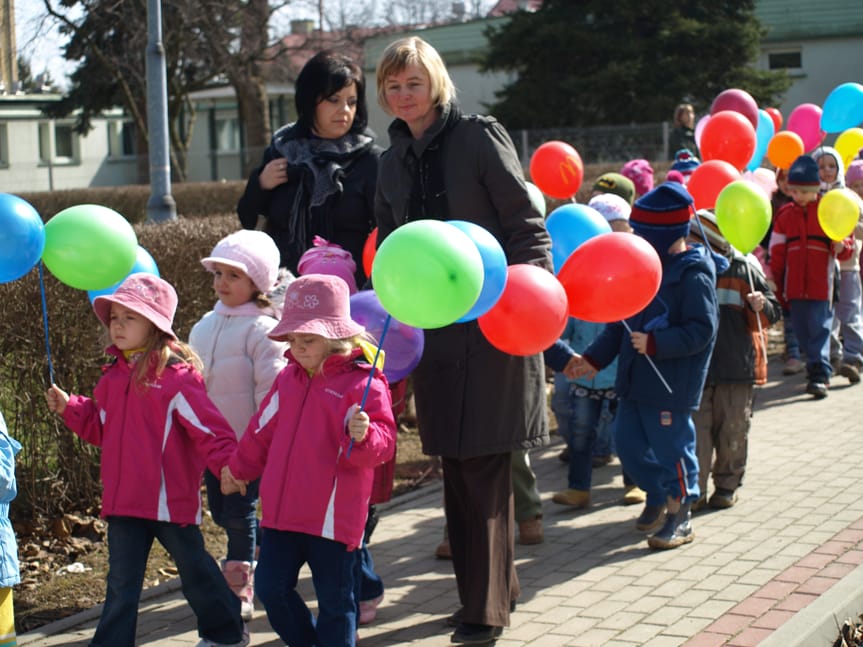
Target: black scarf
column 428, row 199
column 322, row 164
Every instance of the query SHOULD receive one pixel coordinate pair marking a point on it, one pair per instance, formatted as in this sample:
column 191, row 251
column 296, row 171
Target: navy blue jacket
column 683, row 318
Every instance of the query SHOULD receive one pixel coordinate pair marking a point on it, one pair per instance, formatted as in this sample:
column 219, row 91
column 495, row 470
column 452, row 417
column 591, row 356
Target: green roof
column 805, row 19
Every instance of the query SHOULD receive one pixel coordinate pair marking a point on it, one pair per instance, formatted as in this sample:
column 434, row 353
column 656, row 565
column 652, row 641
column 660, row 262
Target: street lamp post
column 161, row 206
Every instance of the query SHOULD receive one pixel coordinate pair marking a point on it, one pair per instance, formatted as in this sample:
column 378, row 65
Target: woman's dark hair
column 323, row 75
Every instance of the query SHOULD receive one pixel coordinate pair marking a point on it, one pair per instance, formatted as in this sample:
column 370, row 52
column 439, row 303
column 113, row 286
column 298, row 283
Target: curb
column 63, row 624
column 819, row 622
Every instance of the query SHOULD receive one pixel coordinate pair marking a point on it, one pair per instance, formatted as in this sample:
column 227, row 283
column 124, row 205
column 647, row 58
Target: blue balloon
column 22, row 237
column 143, row 263
column 763, row 134
column 493, row 268
column 569, row 226
column 843, row 108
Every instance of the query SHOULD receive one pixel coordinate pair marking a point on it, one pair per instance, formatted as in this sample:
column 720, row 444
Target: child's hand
column 577, row 367
column 639, row 342
column 57, row 399
column 358, row 425
column 230, row 485
column 756, row 301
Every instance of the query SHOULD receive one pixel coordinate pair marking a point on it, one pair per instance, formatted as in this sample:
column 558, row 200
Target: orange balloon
column 728, row 136
column 369, row 249
column 707, row 181
column 556, row 168
column 784, row 147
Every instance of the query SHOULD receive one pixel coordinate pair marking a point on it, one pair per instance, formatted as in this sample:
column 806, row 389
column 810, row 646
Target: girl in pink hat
column 240, row 364
column 324, row 426
column 158, row 431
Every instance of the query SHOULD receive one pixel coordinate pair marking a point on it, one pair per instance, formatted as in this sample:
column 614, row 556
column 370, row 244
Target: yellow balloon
column 848, row 144
column 838, row 213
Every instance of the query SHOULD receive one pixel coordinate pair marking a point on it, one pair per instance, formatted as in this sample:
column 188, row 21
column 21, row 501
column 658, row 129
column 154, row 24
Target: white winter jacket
column 240, row 361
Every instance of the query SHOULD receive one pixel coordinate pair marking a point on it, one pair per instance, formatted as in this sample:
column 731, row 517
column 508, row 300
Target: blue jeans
column 580, row 420
column 812, row 321
column 792, row 346
column 333, row 568
column 237, row 514
column 129, row 540
column 371, row 585
column 847, row 321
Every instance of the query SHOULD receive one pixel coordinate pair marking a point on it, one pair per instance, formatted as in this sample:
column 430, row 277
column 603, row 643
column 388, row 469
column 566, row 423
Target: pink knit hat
column 146, row 294
column 641, row 173
column 317, row 304
column 854, row 172
column 252, row 252
column 328, row 258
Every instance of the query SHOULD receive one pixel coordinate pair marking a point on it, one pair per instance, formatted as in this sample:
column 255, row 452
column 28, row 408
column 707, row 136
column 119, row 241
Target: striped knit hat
column 662, row 216
column 704, row 228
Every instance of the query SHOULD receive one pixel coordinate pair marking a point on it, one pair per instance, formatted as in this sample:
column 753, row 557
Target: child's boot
column 241, row 577
column 676, row 531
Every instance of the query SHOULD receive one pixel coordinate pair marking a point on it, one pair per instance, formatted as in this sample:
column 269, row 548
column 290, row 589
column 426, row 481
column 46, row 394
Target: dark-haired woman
column 318, row 174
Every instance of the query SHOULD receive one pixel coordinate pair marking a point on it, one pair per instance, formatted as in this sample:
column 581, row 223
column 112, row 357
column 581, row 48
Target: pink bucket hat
column 328, row 258
column 641, row 173
column 249, row 251
column 146, row 294
column 317, row 304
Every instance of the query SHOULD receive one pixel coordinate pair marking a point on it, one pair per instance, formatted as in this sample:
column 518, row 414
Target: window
column 121, row 139
column 784, row 61
column 227, row 135
column 58, row 143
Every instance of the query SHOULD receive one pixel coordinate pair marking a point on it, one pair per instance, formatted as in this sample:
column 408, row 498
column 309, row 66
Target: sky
column 38, row 43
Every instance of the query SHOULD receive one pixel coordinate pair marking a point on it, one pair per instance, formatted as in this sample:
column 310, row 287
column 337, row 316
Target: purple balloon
column 403, row 344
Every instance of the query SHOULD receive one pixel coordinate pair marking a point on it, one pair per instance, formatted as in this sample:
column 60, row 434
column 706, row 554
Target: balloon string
column 650, row 361
column 45, row 324
column 757, row 314
column 372, row 373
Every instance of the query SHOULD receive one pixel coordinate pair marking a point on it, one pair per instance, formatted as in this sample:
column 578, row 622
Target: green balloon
column 89, row 247
column 743, row 214
column 427, row 273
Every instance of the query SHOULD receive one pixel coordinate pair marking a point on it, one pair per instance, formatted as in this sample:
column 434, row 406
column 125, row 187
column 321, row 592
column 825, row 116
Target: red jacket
column 155, row 442
column 801, row 254
column 298, row 444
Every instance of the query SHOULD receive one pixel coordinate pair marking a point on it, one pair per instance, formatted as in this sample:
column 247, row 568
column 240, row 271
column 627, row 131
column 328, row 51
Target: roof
column 805, row 19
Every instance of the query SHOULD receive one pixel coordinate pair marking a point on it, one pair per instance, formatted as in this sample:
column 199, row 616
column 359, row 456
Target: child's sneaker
column 793, row 366
column 817, row 390
column 243, row 641
column 722, row 499
column 572, row 498
column 633, row 495
column 850, row 371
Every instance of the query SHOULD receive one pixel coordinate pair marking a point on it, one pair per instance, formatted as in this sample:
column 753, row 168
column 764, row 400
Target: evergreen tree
column 591, row 62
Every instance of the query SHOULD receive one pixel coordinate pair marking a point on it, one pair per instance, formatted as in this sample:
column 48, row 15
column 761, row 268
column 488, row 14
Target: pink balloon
column 805, row 120
column 737, row 101
column 764, row 179
column 699, row 128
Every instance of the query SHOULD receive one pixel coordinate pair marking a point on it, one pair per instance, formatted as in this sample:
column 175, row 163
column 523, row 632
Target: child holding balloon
column 802, row 262
column 158, row 430
column 670, row 339
column 240, row 364
column 324, row 426
column 10, row 573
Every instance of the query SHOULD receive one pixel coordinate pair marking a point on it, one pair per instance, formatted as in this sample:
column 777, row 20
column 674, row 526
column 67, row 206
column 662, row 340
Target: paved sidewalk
column 773, row 570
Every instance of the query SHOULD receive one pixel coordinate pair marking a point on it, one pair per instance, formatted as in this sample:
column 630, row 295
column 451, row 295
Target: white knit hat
column 252, row 252
column 611, row 206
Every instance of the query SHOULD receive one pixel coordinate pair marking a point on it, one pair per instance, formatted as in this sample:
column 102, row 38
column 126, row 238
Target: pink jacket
column 155, row 443
column 298, row 443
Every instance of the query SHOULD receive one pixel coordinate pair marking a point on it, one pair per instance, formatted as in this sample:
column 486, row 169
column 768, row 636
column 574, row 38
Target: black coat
column 345, row 218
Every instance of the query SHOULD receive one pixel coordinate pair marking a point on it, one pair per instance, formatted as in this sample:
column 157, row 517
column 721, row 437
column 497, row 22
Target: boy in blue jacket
column 674, row 336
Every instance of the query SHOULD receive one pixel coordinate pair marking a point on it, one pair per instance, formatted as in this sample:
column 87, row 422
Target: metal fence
column 600, row 144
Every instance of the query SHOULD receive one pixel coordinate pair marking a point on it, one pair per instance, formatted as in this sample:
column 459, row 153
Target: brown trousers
column 478, row 503
column 722, row 428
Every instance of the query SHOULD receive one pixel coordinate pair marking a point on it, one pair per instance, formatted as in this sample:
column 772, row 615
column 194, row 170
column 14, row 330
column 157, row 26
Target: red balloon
column 738, row 101
column 557, row 170
column 728, row 136
column 611, row 277
column 369, row 249
column 776, row 116
column 530, row 314
column 708, row 180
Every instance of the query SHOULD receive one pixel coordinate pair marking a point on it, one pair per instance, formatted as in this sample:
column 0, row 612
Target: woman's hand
column 57, row 399
column 274, row 173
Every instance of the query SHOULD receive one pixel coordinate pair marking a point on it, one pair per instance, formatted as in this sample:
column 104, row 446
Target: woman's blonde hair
column 413, row 50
